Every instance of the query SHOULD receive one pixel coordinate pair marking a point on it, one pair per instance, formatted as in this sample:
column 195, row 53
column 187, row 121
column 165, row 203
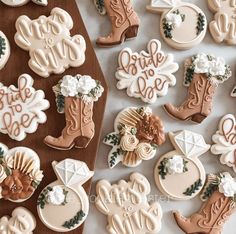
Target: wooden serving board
column 17, row 65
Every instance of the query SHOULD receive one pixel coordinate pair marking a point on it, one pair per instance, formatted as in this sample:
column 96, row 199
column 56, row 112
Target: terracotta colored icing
column 124, row 22
column 178, row 16
column 4, row 50
column 146, row 75
column 189, row 146
column 71, row 174
column 233, row 93
column 48, row 40
column 223, row 27
column 137, row 134
column 17, row 3
column 21, row 108
column 225, row 141
column 22, row 221
column 127, row 207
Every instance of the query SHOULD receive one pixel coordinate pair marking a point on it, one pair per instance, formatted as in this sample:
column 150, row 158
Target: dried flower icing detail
column 124, row 213
column 137, row 134
column 225, row 141
column 16, row 3
column 4, row 50
column 146, row 75
column 21, row 108
column 52, row 50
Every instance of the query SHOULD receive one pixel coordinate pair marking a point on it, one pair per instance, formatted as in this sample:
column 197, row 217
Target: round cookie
column 4, row 50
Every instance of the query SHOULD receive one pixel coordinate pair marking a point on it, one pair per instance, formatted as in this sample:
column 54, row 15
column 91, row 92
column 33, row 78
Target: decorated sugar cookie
column 22, row 221
column 63, row 205
column 136, row 138
column 21, row 108
column 20, row 173
column 203, row 74
column 75, row 96
column 4, row 50
column 179, row 174
column 52, row 50
column 225, row 141
column 127, row 207
column 178, row 17
column 17, row 3
column 233, row 93
column 219, row 196
column 146, row 75
column 223, row 26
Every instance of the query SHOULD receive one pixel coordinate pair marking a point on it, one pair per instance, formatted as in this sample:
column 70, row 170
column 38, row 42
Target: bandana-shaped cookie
column 146, row 75
column 21, row 108
column 50, row 45
column 4, row 50
column 17, row 3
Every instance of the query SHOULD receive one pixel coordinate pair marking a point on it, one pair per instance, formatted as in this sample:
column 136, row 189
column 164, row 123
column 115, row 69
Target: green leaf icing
column 75, row 220
column 193, row 188
column 2, row 46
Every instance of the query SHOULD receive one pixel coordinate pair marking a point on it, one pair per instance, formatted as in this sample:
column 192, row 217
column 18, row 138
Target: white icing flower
column 201, row 63
column 227, row 185
column 175, row 165
column 129, row 142
column 174, row 19
column 3, row 174
column 217, row 67
column 85, row 84
column 87, row 99
column 69, row 86
column 147, row 110
column 56, row 196
column 145, row 151
column 36, row 175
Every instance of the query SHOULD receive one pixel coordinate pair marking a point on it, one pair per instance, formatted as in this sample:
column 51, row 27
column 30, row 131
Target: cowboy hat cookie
column 21, row 108
column 75, row 96
column 183, row 165
column 219, row 196
column 65, row 196
column 4, row 50
column 138, row 133
column 203, row 74
column 178, row 17
column 233, row 93
column 20, row 173
column 223, row 27
column 22, row 221
column 225, row 141
column 127, row 207
column 52, row 50
column 146, row 75
column 17, row 3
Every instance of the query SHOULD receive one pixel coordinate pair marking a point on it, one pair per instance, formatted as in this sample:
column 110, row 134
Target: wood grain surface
column 17, row 65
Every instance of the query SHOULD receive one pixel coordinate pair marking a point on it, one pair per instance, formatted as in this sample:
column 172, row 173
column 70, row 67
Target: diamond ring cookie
column 66, row 197
column 203, row 74
column 21, row 108
column 225, row 141
column 17, row 3
column 22, row 221
column 127, row 207
column 179, row 174
column 178, row 17
column 146, row 75
column 223, row 26
column 52, row 50
column 20, row 173
column 75, row 96
column 138, row 133
column 219, row 196
column 4, row 50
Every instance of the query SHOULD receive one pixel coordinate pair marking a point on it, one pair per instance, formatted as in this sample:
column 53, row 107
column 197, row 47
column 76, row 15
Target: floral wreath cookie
column 183, row 165
column 219, row 196
column 178, row 17
column 66, row 197
column 127, row 207
column 20, row 173
column 75, row 96
column 22, row 221
column 146, row 75
column 52, row 50
column 21, row 108
column 4, row 50
column 225, row 141
column 223, row 27
column 17, row 3
column 203, row 74
column 138, row 133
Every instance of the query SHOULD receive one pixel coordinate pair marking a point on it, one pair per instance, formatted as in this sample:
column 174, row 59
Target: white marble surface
column 117, row 100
